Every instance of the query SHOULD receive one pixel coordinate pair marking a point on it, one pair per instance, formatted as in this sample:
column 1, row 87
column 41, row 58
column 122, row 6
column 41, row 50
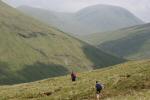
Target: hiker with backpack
column 73, row 76
column 99, row 88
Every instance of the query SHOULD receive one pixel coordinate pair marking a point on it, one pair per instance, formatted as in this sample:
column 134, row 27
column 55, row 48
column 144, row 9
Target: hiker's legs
column 97, row 96
column 73, row 79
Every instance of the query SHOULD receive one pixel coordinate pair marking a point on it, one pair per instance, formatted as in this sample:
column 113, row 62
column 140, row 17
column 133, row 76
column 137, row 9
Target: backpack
column 99, row 87
column 73, row 75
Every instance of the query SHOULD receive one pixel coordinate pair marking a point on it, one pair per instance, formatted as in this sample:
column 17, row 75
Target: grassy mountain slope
column 132, row 42
column 30, row 50
column 128, row 81
column 98, row 18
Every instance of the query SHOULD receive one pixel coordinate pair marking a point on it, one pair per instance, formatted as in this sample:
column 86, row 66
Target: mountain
column 128, row 81
column 98, row 18
column 31, row 50
column 131, row 43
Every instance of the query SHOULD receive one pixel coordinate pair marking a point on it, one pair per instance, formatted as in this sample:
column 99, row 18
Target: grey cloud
column 140, row 8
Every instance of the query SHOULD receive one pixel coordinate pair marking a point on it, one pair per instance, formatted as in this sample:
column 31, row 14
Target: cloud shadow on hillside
column 6, row 76
column 40, row 71
column 30, row 73
column 99, row 58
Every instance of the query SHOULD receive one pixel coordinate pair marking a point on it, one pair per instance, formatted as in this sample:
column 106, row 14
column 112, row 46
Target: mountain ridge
column 137, row 38
column 97, row 18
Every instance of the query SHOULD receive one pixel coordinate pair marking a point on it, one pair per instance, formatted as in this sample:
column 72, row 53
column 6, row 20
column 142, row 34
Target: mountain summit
column 98, row 18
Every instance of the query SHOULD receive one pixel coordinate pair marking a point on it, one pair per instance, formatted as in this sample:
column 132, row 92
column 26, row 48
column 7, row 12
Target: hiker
column 98, row 87
column 73, row 76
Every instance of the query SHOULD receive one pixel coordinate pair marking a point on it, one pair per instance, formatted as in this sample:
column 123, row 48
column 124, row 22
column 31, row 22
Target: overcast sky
column 141, row 8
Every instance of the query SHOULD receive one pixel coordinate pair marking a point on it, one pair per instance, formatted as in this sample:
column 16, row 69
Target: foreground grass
column 129, row 81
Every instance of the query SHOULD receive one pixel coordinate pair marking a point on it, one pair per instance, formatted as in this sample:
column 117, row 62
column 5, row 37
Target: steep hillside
column 129, row 81
column 30, row 50
column 132, row 42
column 98, row 18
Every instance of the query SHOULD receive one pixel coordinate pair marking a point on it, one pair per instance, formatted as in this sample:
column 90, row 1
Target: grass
column 31, row 50
column 127, row 81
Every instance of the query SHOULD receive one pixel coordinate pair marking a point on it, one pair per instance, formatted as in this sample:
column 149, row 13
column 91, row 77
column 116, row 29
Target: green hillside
column 128, row 81
column 131, row 43
column 97, row 18
column 30, row 50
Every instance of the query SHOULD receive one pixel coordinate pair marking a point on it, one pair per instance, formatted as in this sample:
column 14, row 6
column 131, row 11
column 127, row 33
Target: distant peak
column 102, row 6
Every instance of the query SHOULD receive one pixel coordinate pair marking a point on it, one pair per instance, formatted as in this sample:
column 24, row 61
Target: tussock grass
column 128, row 81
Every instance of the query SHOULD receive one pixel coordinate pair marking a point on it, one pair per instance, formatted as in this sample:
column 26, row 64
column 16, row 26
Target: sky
column 140, row 8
